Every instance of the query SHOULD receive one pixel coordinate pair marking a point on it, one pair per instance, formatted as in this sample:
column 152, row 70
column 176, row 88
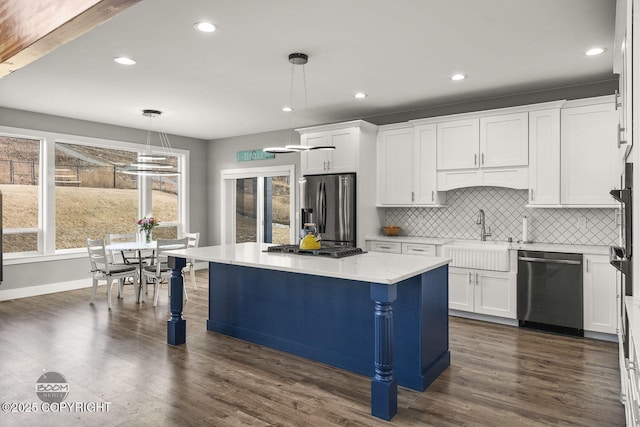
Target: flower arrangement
column 146, row 225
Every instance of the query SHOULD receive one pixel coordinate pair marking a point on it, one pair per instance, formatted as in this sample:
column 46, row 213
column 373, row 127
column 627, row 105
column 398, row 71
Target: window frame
column 46, row 192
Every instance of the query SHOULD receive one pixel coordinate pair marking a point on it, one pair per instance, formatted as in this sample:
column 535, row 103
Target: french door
column 258, row 205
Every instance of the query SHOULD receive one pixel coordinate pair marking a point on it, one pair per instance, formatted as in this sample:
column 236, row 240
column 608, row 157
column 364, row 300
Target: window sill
column 30, row 259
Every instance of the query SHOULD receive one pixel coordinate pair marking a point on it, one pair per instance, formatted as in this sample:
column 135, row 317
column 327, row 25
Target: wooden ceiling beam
column 31, row 29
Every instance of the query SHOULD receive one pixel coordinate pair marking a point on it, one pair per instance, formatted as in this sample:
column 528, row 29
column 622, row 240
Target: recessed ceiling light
column 205, row 27
column 287, row 109
column 123, row 60
column 360, row 95
column 458, row 76
column 595, row 51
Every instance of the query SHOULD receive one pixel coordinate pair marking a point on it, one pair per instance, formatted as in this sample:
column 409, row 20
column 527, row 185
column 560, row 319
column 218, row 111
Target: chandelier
column 296, row 59
column 149, row 163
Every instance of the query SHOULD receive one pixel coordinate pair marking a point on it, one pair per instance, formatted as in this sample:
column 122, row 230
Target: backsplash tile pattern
column 504, row 209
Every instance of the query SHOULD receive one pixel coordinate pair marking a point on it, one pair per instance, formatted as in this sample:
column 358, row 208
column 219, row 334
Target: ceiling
column 236, row 80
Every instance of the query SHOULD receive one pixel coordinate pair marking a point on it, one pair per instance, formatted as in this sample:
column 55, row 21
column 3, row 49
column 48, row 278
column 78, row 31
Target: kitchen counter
column 533, row 246
column 380, row 315
column 367, row 267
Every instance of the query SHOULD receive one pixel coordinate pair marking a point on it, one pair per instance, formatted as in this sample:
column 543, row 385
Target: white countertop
column 373, row 267
column 533, row 246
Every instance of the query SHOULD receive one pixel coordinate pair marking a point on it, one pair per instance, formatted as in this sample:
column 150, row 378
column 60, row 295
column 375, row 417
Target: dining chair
column 159, row 270
column 103, row 269
column 193, row 242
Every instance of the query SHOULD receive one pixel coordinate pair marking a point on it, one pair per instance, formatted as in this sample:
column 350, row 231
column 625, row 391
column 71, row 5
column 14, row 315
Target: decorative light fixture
column 149, row 163
column 296, row 59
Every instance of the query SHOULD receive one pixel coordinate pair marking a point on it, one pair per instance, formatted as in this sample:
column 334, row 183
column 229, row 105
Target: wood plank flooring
column 499, row 375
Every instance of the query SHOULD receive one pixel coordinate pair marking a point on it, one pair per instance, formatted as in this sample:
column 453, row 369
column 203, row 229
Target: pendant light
column 296, row 59
column 148, row 162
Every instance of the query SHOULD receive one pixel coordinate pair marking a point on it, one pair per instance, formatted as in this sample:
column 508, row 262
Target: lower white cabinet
column 485, row 292
column 384, row 246
column 601, row 290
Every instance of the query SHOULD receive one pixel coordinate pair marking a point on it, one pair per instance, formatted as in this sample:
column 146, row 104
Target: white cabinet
column 458, row 144
column 600, row 294
column 623, row 66
column 484, row 292
column 341, row 159
column 544, row 157
column 589, row 156
column 490, row 142
column 504, row 140
column 384, row 246
column 419, row 249
column 488, row 150
column 407, row 166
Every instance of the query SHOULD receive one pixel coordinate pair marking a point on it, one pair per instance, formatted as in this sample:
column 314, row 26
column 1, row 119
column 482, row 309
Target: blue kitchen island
column 377, row 314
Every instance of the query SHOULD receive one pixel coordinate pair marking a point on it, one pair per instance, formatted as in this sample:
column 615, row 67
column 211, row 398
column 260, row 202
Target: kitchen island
column 380, row 315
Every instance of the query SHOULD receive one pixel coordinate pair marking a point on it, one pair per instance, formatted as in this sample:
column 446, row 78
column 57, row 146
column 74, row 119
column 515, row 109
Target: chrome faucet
column 483, row 232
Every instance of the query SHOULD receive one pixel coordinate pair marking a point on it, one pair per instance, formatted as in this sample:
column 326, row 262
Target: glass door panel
column 277, row 196
column 246, row 210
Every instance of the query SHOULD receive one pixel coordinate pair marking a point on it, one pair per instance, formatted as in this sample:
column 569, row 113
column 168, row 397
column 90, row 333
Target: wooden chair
column 194, row 241
column 103, row 269
column 160, row 269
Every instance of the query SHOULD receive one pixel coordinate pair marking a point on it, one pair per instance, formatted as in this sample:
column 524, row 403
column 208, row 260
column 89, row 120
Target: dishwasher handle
column 549, row 261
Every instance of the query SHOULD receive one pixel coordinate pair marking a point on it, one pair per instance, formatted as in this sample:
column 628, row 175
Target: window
column 93, row 196
column 20, row 186
column 85, row 194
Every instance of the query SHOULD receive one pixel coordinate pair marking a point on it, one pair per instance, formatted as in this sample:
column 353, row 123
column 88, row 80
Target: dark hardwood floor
column 499, row 375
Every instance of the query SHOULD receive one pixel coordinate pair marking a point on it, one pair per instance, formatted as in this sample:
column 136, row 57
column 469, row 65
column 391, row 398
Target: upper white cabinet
column 544, row 157
column 622, row 65
column 504, row 140
column 458, row 144
column 590, row 159
column 407, row 166
column 489, row 149
column 487, row 142
column 344, row 158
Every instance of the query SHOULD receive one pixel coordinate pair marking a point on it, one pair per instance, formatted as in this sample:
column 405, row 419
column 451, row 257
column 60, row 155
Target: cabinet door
column 600, row 291
column 314, row 162
column 425, row 165
column 344, row 157
column 589, row 155
column 382, row 246
column 495, row 293
column 544, row 157
column 458, row 144
column 504, row 140
column 461, row 289
column 419, row 249
column 395, row 167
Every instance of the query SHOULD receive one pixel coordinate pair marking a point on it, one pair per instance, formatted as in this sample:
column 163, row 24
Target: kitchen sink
column 479, row 255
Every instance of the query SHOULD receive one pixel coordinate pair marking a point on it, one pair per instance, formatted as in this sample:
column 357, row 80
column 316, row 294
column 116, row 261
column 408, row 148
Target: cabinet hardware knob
column 620, row 140
column 475, row 159
column 482, row 161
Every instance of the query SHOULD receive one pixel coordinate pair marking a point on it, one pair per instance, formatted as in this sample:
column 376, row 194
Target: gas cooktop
column 329, row 251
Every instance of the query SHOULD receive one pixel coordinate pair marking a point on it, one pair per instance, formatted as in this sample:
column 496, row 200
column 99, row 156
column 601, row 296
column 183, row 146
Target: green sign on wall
column 249, row 155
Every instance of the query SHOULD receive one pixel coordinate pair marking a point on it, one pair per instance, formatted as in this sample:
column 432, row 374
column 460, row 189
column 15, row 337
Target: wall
column 504, row 209
column 18, row 277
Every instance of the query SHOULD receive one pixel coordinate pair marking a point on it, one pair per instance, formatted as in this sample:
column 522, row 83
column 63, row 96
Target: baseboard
column 483, row 317
column 49, row 288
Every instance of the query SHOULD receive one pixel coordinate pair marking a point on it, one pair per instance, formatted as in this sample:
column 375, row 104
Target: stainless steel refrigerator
column 332, row 201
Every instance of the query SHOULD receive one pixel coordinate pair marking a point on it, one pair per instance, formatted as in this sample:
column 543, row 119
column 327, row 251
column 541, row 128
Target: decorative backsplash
column 504, row 209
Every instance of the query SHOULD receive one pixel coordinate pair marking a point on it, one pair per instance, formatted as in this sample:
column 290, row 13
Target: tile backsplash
column 504, row 209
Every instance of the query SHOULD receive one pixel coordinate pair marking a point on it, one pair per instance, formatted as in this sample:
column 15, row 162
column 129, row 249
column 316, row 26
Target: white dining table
column 137, row 246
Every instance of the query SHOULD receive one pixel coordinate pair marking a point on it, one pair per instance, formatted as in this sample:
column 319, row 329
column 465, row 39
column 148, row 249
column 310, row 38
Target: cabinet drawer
column 391, row 247
column 419, row 249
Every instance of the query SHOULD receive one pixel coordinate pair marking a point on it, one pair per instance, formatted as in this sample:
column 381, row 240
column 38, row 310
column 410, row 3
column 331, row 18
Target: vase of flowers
column 146, row 226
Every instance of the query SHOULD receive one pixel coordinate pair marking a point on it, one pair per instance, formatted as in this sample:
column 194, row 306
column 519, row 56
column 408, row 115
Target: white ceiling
column 236, row 80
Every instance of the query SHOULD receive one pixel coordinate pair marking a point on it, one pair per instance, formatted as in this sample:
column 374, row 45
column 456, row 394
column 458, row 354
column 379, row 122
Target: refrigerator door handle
column 322, row 206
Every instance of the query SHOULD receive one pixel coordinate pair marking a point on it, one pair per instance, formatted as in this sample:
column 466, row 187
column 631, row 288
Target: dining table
column 137, row 246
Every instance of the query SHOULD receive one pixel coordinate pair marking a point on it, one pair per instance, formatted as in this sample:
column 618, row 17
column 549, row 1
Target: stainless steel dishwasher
column 550, row 292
